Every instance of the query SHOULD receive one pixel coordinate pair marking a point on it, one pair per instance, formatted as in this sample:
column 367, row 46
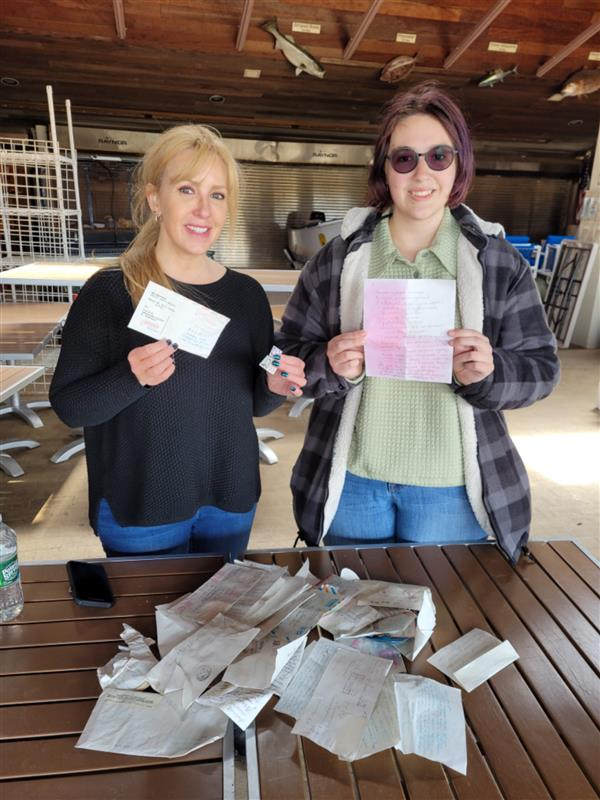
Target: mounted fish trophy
column 497, row 76
column 296, row 55
column 583, row 82
column 397, row 69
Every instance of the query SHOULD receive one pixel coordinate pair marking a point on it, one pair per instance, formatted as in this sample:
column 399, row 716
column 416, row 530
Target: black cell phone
column 89, row 584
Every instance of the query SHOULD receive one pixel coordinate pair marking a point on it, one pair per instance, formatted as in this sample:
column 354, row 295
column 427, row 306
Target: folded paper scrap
column 473, row 658
column 267, row 362
column 240, row 638
column 400, row 611
column 128, row 669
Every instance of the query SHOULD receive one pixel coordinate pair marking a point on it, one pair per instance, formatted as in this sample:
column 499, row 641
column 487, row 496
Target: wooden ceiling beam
column 119, row 18
column 590, row 31
column 244, row 24
column 476, row 32
column 362, row 29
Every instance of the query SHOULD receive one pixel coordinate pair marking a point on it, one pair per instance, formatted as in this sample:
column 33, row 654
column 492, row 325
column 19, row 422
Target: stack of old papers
column 241, row 638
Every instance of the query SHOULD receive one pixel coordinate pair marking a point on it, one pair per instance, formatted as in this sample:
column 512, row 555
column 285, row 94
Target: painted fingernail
column 175, row 346
column 284, row 374
column 168, row 341
column 293, row 388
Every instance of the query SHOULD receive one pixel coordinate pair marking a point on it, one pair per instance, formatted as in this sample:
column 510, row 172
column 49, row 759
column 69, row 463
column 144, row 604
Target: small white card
column 164, row 314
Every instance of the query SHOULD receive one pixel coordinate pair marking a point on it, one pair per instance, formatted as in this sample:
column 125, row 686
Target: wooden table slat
column 321, row 565
column 37, row 634
column 508, row 760
column 49, row 686
column 59, row 755
column 56, row 658
column 328, row 775
column 378, row 777
column 260, row 558
column 68, row 610
column 564, row 576
column 573, row 623
column 44, row 719
column 424, row 779
column 490, row 611
column 577, row 559
column 120, row 568
column 172, row 782
column 122, row 587
column 279, row 758
column 349, row 559
column 556, row 643
column 293, row 561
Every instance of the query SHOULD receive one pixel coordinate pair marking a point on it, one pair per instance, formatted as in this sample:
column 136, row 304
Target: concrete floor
column 558, row 439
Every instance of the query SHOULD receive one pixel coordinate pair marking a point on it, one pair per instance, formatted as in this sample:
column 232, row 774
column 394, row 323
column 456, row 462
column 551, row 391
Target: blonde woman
column 171, row 448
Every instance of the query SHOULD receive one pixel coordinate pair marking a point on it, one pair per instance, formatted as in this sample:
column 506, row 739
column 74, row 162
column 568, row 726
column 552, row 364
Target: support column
column 587, row 329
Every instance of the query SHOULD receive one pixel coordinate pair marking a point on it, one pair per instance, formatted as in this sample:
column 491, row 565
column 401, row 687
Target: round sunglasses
column 405, row 159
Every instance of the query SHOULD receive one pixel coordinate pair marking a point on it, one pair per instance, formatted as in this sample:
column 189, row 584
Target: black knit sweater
column 157, row 454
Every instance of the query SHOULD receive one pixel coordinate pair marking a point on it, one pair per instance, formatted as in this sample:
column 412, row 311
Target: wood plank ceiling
column 145, row 64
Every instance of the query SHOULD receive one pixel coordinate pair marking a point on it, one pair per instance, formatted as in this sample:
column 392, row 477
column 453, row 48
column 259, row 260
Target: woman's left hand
column 289, row 377
column 473, row 358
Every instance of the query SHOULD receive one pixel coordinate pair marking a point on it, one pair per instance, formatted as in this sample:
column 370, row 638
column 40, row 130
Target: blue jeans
column 210, row 530
column 376, row 512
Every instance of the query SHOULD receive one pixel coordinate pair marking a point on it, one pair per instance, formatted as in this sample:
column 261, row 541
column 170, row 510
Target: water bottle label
column 9, row 571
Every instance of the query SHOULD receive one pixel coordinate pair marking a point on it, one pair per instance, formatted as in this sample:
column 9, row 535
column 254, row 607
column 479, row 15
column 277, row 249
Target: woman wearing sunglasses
column 388, row 460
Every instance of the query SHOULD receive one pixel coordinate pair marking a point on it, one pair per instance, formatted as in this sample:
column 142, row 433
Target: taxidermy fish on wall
column 497, row 76
column 583, row 82
column 397, row 69
column 296, row 55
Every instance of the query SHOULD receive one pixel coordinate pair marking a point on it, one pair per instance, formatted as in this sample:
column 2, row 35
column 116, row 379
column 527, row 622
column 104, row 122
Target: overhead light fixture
column 251, row 73
column 9, row 82
column 216, row 98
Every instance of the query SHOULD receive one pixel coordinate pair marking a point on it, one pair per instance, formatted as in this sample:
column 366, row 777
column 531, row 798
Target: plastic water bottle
column 11, row 592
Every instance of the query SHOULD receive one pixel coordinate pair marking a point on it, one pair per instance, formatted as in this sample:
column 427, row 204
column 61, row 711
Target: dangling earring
column 158, row 217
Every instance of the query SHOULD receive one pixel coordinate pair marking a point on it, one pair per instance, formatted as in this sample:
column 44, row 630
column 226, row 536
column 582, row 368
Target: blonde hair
column 138, row 262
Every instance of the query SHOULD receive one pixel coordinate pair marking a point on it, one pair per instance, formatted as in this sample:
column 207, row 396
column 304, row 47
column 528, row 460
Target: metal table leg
column 23, row 410
column 8, row 463
column 266, row 453
column 68, row 450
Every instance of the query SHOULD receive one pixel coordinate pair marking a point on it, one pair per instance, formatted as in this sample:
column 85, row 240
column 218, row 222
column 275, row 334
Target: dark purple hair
column 425, row 98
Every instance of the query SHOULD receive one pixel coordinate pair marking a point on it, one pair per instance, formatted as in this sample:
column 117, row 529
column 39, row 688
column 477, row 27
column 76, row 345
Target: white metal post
column 75, row 179
column 58, row 177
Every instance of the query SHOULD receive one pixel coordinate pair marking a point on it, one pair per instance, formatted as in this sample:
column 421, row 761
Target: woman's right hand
column 346, row 354
column 152, row 363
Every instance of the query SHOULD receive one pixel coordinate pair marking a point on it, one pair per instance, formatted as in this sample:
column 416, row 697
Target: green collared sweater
column 408, row 431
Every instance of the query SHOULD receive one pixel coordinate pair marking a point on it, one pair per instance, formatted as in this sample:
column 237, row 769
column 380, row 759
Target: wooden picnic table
column 26, row 314
column 532, row 730
column 71, row 275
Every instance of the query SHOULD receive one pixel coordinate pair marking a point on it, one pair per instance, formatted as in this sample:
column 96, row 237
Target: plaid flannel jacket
column 526, row 369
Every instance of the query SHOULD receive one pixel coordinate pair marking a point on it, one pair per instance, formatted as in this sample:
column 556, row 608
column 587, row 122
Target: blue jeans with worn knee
column 210, row 530
column 377, row 512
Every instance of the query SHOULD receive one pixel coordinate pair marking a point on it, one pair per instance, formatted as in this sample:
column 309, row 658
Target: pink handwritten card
column 407, row 324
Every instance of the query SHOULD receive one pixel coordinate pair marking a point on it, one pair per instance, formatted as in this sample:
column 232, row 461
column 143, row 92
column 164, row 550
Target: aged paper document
column 343, row 701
